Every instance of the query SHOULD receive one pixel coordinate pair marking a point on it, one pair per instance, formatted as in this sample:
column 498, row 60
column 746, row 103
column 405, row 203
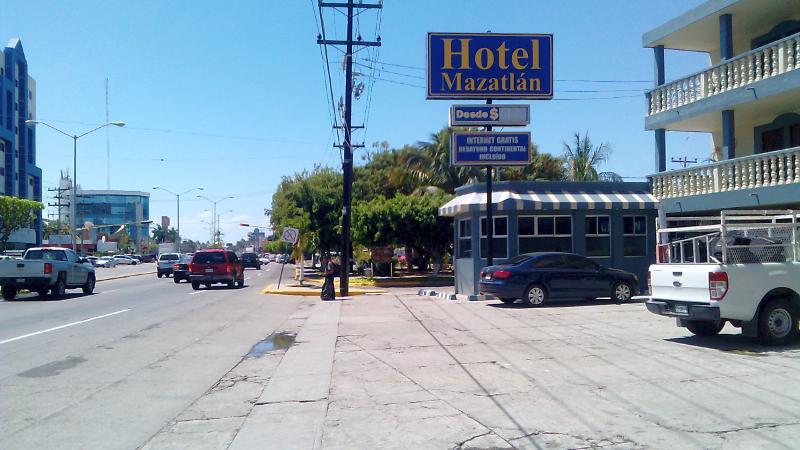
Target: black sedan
column 180, row 271
column 537, row 278
column 250, row 260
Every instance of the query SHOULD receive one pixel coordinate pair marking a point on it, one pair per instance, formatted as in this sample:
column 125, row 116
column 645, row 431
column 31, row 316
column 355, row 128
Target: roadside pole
column 489, row 221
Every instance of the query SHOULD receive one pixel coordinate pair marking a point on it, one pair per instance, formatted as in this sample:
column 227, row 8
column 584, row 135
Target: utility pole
column 685, row 161
column 347, row 161
column 59, row 196
column 108, row 145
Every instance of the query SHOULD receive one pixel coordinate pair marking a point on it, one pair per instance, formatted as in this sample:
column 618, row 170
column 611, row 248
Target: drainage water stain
column 275, row 341
column 52, row 368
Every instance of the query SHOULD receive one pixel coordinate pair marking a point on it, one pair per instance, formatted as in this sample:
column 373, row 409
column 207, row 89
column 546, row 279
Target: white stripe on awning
column 550, row 200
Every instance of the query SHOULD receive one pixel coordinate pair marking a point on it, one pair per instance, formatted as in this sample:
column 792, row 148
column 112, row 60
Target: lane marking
column 110, row 291
column 196, row 292
column 63, row 326
column 259, row 274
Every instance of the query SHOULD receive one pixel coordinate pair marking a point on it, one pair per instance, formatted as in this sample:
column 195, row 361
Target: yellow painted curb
column 314, row 292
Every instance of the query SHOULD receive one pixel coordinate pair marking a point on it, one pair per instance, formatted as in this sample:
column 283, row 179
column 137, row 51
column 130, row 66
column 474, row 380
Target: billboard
column 489, row 65
column 488, row 148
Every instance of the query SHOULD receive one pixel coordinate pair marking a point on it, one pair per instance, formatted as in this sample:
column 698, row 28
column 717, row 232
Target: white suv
column 165, row 262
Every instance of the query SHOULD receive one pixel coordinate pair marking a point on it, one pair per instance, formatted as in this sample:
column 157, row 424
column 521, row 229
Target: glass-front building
column 114, row 208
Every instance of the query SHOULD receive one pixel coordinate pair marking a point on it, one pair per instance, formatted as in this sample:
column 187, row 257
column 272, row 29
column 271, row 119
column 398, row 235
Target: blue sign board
column 487, row 148
column 490, row 65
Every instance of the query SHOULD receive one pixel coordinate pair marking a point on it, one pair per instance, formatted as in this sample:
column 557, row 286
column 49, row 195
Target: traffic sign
column 482, row 148
column 290, row 235
column 490, row 65
column 490, row 115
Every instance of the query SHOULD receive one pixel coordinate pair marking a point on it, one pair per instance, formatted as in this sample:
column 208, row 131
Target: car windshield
column 55, row 255
column 209, row 258
column 168, row 257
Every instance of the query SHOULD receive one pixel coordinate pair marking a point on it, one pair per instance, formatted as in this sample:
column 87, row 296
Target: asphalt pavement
column 108, row 370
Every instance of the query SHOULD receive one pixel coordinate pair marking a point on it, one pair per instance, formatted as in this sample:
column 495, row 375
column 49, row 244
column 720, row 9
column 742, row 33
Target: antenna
column 108, row 145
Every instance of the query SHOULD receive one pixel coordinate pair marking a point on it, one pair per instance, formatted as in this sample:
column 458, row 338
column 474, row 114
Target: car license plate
column 209, row 270
column 20, row 280
column 681, row 309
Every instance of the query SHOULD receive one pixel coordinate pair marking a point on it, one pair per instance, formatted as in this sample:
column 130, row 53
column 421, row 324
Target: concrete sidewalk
column 398, row 370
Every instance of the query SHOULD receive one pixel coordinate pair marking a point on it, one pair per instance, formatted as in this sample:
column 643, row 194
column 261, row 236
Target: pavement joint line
column 63, row 326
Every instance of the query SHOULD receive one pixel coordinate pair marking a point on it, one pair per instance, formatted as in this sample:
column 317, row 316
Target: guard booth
column 612, row 223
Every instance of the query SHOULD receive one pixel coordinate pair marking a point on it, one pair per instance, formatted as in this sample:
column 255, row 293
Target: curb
column 125, row 276
column 312, row 291
column 450, row 296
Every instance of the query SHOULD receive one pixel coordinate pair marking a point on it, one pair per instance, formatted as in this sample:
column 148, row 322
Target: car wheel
column 9, row 292
column 60, row 288
column 535, row 294
column 176, row 280
column 88, row 288
column 621, row 292
column 160, row 274
column 232, row 282
column 706, row 328
column 195, row 285
column 778, row 322
column 508, row 301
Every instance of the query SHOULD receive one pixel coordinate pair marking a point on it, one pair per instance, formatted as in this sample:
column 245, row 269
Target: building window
column 781, row 133
column 464, row 238
column 545, row 234
column 499, row 237
column 598, row 236
column 635, row 235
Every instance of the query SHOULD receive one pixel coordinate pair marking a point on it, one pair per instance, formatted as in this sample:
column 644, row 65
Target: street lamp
column 218, row 221
column 75, row 137
column 178, row 196
column 214, row 212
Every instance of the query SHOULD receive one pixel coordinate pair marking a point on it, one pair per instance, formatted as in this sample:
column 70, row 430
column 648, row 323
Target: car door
column 593, row 282
column 72, row 267
column 555, row 279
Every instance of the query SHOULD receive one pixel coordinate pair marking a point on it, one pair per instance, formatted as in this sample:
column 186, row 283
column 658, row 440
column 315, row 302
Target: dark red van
column 216, row 266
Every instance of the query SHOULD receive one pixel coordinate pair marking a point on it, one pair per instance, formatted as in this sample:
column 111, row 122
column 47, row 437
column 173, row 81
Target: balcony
column 765, row 62
column 778, row 168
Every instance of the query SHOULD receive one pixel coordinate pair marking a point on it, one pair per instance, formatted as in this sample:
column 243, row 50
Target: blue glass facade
column 18, row 171
column 115, row 208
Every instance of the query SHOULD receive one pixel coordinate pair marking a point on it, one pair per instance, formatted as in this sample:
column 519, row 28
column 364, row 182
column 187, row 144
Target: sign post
column 489, row 66
column 289, row 235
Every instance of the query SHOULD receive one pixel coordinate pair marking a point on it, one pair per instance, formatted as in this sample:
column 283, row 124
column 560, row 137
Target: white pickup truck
column 46, row 270
column 744, row 268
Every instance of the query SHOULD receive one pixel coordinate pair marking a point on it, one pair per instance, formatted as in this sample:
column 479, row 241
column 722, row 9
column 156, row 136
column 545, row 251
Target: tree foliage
column 312, row 203
column 161, row 235
column 15, row 214
column 582, row 158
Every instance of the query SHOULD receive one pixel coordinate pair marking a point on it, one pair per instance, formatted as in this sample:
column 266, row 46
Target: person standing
column 328, row 291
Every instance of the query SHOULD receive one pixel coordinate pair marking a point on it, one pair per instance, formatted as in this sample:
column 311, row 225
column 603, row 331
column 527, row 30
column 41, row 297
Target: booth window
column 598, row 236
column 499, row 237
column 465, row 238
column 545, row 234
column 635, row 235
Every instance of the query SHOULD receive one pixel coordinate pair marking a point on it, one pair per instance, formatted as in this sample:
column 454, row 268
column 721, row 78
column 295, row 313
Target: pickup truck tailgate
column 21, row 268
column 681, row 282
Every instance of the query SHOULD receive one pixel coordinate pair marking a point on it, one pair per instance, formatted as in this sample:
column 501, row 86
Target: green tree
column 54, row 227
column 159, row 234
column 582, row 158
column 432, row 164
column 123, row 241
column 15, row 213
column 385, row 174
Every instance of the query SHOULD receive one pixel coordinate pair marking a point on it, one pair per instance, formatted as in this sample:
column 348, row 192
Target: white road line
column 259, row 274
column 63, row 326
column 196, row 292
column 109, row 291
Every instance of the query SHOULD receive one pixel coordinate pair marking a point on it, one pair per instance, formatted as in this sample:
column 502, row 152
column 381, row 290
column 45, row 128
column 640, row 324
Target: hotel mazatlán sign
column 490, row 65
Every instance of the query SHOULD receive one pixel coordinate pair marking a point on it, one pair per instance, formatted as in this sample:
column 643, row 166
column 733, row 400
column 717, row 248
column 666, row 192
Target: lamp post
column 75, row 137
column 177, row 196
column 218, row 221
column 214, row 213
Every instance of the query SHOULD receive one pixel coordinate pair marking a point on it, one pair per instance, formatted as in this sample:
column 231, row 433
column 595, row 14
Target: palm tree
column 431, row 165
column 583, row 158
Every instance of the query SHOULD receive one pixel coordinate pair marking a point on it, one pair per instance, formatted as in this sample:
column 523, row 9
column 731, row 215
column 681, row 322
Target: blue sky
column 231, row 95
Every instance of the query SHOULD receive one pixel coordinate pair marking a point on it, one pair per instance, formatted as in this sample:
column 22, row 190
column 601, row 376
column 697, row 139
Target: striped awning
column 548, row 200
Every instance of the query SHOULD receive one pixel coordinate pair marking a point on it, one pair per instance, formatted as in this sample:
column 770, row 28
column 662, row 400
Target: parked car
column 138, row 258
column 165, row 263
column 250, row 260
column 264, row 260
column 106, row 261
column 180, row 270
column 91, row 260
column 216, row 266
column 273, row 258
column 537, row 278
column 126, row 260
column 148, row 258
column 46, row 270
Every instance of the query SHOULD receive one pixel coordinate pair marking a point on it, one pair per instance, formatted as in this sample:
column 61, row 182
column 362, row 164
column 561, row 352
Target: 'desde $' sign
column 490, row 65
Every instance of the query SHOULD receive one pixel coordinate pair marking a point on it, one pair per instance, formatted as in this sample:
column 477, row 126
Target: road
column 109, row 370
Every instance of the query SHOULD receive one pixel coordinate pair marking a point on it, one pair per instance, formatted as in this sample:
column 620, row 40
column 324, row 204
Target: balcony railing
column 766, row 169
column 764, row 62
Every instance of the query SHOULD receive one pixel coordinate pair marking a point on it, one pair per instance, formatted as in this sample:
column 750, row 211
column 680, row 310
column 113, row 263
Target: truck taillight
column 176, row 266
column 48, row 268
column 501, row 274
column 717, row 285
